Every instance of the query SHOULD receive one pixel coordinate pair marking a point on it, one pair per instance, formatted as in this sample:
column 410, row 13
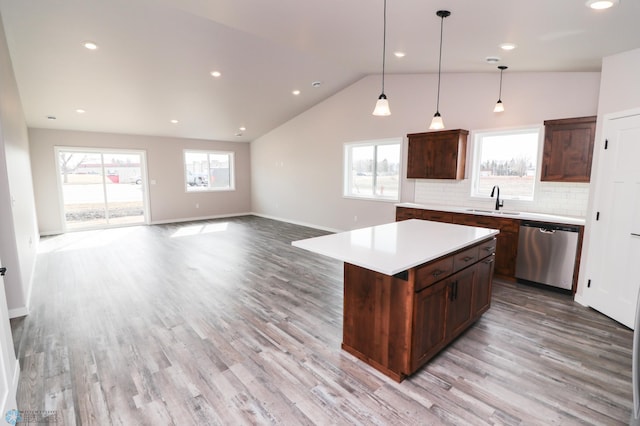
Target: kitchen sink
column 479, row 211
column 502, row 212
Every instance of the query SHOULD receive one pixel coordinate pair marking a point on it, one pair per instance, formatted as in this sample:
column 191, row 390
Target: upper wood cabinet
column 568, row 149
column 437, row 155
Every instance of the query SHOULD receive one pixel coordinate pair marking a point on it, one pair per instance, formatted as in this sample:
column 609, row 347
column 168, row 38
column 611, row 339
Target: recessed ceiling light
column 601, row 4
column 216, row 74
column 296, row 92
column 90, row 45
column 492, row 59
column 242, row 129
column 80, row 111
column 399, row 54
column 508, row 46
column 174, row 121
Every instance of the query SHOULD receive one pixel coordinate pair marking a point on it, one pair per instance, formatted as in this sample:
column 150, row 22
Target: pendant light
column 382, row 106
column 499, row 105
column 436, row 123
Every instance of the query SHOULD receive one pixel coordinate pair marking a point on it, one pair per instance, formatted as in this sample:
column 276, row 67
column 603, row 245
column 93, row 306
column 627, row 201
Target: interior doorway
column 102, row 188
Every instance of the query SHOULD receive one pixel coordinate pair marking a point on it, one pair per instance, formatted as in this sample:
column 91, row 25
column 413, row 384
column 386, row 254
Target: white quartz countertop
column 540, row 217
column 395, row 247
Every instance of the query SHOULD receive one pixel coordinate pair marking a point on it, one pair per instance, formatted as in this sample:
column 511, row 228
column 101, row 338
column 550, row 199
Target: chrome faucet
column 496, row 191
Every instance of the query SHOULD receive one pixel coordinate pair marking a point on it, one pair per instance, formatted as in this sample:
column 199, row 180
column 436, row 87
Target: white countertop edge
column 540, row 217
column 401, row 264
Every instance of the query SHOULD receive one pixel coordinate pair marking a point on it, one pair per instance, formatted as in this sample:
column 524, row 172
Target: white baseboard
column 295, row 222
column 19, row 312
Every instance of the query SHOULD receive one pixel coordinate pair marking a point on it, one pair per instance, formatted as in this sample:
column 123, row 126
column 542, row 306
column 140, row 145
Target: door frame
column 143, row 172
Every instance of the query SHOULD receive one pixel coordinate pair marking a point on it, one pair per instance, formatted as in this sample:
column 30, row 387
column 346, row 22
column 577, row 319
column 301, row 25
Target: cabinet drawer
column 432, row 272
column 486, row 249
column 465, row 258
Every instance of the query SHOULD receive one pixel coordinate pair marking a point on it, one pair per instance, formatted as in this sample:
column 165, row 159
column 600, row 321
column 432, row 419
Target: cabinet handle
column 437, row 273
column 467, row 258
column 451, row 294
column 488, row 248
column 456, row 290
column 488, row 261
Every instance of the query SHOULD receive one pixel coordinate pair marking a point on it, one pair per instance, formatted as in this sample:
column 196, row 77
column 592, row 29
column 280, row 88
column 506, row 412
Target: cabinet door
column 437, row 155
column 481, row 297
column 568, row 149
column 459, row 308
column 430, row 306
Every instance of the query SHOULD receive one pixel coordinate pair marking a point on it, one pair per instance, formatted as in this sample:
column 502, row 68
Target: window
column 208, row 171
column 508, row 159
column 372, row 169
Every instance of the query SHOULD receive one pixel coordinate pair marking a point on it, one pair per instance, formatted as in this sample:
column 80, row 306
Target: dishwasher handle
column 547, row 230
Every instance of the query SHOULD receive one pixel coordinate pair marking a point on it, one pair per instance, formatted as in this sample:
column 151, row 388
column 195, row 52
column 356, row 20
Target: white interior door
column 9, row 369
column 614, row 258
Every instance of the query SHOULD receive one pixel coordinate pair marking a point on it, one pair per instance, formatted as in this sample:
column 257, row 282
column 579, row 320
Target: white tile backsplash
column 557, row 198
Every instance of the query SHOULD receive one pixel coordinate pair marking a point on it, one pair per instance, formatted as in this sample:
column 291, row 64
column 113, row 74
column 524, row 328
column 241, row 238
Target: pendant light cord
column 384, row 41
column 500, row 92
column 439, row 65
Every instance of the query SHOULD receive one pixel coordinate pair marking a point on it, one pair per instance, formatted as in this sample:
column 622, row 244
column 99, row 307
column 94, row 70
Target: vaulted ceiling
column 155, row 57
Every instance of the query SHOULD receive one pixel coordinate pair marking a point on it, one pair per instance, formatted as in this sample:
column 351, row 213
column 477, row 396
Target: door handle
column 3, row 271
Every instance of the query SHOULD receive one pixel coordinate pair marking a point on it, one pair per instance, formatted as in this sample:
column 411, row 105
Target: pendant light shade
column 499, row 105
column 437, row 123
column 382, row 106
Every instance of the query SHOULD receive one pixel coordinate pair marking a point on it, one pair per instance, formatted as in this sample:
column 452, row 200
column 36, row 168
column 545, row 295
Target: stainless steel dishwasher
column 547, row 253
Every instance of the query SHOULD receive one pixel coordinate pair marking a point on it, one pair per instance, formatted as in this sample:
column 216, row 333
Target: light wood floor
column 223, row 322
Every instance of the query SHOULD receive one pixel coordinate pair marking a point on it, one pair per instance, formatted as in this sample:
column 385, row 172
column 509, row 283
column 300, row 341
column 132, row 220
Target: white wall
column 18, row 226
column 297, row 168
column 169, row 202
column 619, row 92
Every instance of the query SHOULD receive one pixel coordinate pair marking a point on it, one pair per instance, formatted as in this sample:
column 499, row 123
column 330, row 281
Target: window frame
column 232, row 175
column 347, row 176
column 477, row 146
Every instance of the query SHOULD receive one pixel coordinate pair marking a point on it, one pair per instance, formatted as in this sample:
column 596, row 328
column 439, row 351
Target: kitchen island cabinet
column 410, row 288
column 507, row 240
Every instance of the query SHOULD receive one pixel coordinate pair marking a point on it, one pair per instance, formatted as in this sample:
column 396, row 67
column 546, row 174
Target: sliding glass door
column 102, row 188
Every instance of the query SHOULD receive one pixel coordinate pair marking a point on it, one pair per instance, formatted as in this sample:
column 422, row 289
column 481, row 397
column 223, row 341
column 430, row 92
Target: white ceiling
column 155, row 56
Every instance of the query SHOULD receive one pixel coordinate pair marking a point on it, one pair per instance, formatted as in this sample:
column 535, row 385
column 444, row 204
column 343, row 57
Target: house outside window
column 372, row 169
column 209, row 171
column 509, row 159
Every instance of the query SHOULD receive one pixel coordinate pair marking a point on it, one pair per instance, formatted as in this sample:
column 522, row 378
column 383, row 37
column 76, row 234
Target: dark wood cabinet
column 568, row 149
column 430, row 310
column 437, row 155
column 459, row 301
column 507, row 239
column 481, row 298
column 397, row 323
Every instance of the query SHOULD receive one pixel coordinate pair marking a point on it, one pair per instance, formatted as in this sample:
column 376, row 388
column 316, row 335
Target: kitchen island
column 410, row 288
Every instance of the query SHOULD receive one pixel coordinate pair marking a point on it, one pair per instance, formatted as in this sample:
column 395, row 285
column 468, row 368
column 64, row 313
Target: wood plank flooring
column 223, row 322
